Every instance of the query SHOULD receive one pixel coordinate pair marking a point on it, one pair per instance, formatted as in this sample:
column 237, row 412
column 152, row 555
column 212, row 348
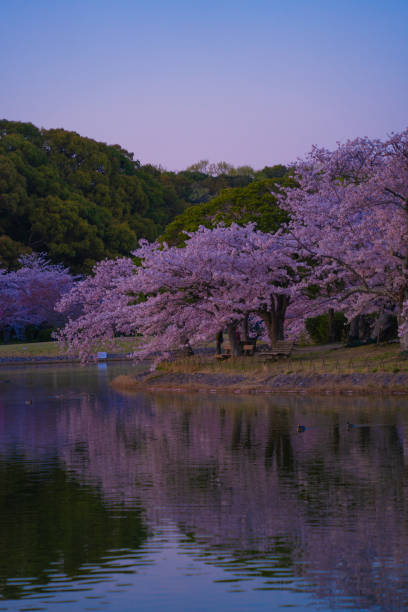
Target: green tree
column 76, row 199
column 255, row 202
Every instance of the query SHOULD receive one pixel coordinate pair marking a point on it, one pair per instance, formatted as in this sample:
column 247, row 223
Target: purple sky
column 249, row 82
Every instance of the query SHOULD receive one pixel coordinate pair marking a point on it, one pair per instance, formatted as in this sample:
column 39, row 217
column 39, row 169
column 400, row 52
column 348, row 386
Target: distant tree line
column 325, row 237
column 331, row 239
column 81, row 201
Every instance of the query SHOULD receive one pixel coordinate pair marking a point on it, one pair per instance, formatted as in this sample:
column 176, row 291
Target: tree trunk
column 282, row 302
column 269, row 319
column 187, row 349
column 359, row 332
column 384, row 328
column 274, row 318
column 245, row 329
column 219, row 339
column 403, row 333
column 236, row 347
column 332, row 328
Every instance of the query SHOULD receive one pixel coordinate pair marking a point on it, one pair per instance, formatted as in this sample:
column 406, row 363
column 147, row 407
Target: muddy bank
column 383, row 383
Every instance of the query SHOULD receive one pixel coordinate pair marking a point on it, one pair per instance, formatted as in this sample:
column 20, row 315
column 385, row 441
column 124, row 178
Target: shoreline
column 372, row 370
column 312, row 384
column 56, row 360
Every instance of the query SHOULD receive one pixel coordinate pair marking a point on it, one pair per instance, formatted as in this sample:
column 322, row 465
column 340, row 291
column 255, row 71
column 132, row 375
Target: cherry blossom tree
column 29, row 294
column 175, row 297
column 96, row 307
column 349, row 218
column 221, row 276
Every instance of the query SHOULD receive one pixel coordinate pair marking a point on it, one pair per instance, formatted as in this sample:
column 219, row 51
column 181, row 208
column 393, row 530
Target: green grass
column 31, row 349
column 54, row 349
column 307, row 360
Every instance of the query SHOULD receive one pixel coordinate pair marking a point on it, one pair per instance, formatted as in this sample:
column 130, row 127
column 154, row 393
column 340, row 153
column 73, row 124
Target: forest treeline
column 81, row 201
column 270, row 249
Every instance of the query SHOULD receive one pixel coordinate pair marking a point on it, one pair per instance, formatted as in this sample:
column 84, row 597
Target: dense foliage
column 81, row 201
column 349, row 218
column 330, row 235
column 322, row 330
column 28, row 296
column 343, row 247
column 178, row 296
column 74, row 198
column 252, row 203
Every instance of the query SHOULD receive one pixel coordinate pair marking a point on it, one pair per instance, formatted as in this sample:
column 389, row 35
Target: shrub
column 318, row 327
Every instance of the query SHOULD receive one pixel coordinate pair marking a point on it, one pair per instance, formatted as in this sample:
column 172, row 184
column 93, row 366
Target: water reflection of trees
column 52, row 523
column 235, row 475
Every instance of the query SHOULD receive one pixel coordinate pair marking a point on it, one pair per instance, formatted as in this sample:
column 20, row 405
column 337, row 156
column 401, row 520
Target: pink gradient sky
column 247, row 82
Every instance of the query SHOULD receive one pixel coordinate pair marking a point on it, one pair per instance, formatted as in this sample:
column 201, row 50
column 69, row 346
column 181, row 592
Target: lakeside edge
column 315, row 384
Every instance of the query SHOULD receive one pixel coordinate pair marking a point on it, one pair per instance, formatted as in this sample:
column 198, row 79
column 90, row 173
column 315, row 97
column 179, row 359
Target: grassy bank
column 329, row 359
column 326, row 369
column 315, row 369
column 332, row 359
column 30, row 350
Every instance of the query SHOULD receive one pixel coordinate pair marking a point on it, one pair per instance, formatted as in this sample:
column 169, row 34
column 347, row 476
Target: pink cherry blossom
column 349, row 217
column 29, row 294
column 174, row 297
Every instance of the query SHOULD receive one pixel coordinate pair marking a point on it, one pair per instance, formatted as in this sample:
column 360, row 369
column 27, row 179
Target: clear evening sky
column 246, row 81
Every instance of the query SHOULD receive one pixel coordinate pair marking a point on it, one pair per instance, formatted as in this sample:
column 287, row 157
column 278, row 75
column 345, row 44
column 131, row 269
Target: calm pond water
column 197, row 502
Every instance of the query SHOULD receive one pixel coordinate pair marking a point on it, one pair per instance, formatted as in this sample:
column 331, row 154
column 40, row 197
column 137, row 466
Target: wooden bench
column 248, row 349
column 281, row 349
column 226, row 351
